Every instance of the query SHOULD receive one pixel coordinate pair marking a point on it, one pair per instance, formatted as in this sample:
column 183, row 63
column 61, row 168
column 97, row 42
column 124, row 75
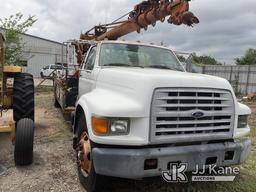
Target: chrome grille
column 187, row 114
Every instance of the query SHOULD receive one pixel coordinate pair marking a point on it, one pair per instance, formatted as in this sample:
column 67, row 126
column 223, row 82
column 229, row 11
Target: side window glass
column 52, row 67
column 89, row 64
column 47, row 67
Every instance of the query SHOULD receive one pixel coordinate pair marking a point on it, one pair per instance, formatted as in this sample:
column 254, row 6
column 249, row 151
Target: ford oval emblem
column 198, row 114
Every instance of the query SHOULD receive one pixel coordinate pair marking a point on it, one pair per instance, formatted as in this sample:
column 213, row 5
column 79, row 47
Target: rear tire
column 92, row 182
column 23, row 97
column 23, row 153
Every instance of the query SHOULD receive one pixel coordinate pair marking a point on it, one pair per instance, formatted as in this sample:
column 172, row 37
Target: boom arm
column 145, row 14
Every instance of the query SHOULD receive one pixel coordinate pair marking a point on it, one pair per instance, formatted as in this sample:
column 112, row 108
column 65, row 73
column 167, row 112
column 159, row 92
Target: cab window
column 89, row 64
column 53, row 67
column 46, row 67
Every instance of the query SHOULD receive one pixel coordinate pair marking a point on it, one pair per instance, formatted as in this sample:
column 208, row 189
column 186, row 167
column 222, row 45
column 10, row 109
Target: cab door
column 88, row 73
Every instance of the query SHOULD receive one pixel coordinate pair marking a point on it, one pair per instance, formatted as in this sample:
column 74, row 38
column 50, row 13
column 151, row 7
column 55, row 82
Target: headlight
column 119, row 126
column 110, row 126
column 242, row 121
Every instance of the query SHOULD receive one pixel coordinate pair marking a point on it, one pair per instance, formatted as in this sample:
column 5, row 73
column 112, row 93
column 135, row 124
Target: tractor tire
column 23, row 97
column 24, row 139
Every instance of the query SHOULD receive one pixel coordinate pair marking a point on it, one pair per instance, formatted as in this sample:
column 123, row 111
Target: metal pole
column 231, row 74
column 248, row 79
column 204, row 71
column 2, row 51
column 1, row 54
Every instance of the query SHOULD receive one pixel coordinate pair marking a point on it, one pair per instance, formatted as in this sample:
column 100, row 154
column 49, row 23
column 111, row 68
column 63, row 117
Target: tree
column 248, row 59
column 13, row 27
column 205, row 60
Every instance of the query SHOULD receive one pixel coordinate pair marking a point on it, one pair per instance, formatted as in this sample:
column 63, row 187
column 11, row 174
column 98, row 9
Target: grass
column 44, row 89
column 62, row 130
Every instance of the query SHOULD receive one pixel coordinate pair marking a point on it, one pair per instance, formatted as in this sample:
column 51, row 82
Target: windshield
column 128, row 55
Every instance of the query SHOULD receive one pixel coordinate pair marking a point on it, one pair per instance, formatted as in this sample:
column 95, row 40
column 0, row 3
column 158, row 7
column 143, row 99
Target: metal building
column 40, row 52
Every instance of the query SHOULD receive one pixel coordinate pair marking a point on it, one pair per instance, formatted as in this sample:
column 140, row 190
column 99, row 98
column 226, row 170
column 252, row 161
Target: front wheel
column 24, row 139
column 90, row 180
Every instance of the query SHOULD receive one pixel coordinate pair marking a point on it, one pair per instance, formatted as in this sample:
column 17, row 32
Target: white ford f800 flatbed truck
column 138, row 111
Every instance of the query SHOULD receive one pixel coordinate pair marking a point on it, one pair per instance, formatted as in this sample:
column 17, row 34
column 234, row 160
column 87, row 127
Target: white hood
column 155, row 78
column 127, row 92
column 134, row 87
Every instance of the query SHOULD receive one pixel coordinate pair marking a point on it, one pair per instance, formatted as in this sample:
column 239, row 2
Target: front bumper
column 129, row 163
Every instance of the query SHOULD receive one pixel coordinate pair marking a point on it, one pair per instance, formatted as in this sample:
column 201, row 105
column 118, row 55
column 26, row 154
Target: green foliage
column 248, row 59
column 205, row 60
column 13, row 27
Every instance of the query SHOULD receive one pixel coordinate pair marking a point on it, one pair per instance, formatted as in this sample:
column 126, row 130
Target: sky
column 227, row 28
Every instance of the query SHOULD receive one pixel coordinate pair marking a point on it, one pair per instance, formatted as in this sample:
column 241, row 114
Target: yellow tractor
column 17, row 94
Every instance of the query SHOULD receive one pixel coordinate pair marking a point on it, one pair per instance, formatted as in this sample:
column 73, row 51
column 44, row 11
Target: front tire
column 90, row 180
column 23, row 97
column 23, row 152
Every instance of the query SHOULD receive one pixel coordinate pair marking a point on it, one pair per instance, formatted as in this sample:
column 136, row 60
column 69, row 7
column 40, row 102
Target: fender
column 108, row 103
column 241, row 110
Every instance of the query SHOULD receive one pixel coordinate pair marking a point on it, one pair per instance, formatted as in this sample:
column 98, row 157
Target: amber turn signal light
column 99, row 126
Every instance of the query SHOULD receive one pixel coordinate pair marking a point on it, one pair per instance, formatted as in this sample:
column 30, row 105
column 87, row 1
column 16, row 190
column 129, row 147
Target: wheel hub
column 84, row 154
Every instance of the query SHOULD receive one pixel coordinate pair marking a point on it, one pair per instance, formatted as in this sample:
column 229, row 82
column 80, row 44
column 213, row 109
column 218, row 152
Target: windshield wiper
column 122, row 65
column 118, row 65
column 163, row 67
column 158, row 67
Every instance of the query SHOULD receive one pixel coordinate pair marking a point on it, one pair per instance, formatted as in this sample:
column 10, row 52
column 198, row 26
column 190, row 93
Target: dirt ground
column 54, row 166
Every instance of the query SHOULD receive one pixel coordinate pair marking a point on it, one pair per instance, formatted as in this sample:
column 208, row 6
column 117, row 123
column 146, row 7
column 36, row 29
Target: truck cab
column 138, row 111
